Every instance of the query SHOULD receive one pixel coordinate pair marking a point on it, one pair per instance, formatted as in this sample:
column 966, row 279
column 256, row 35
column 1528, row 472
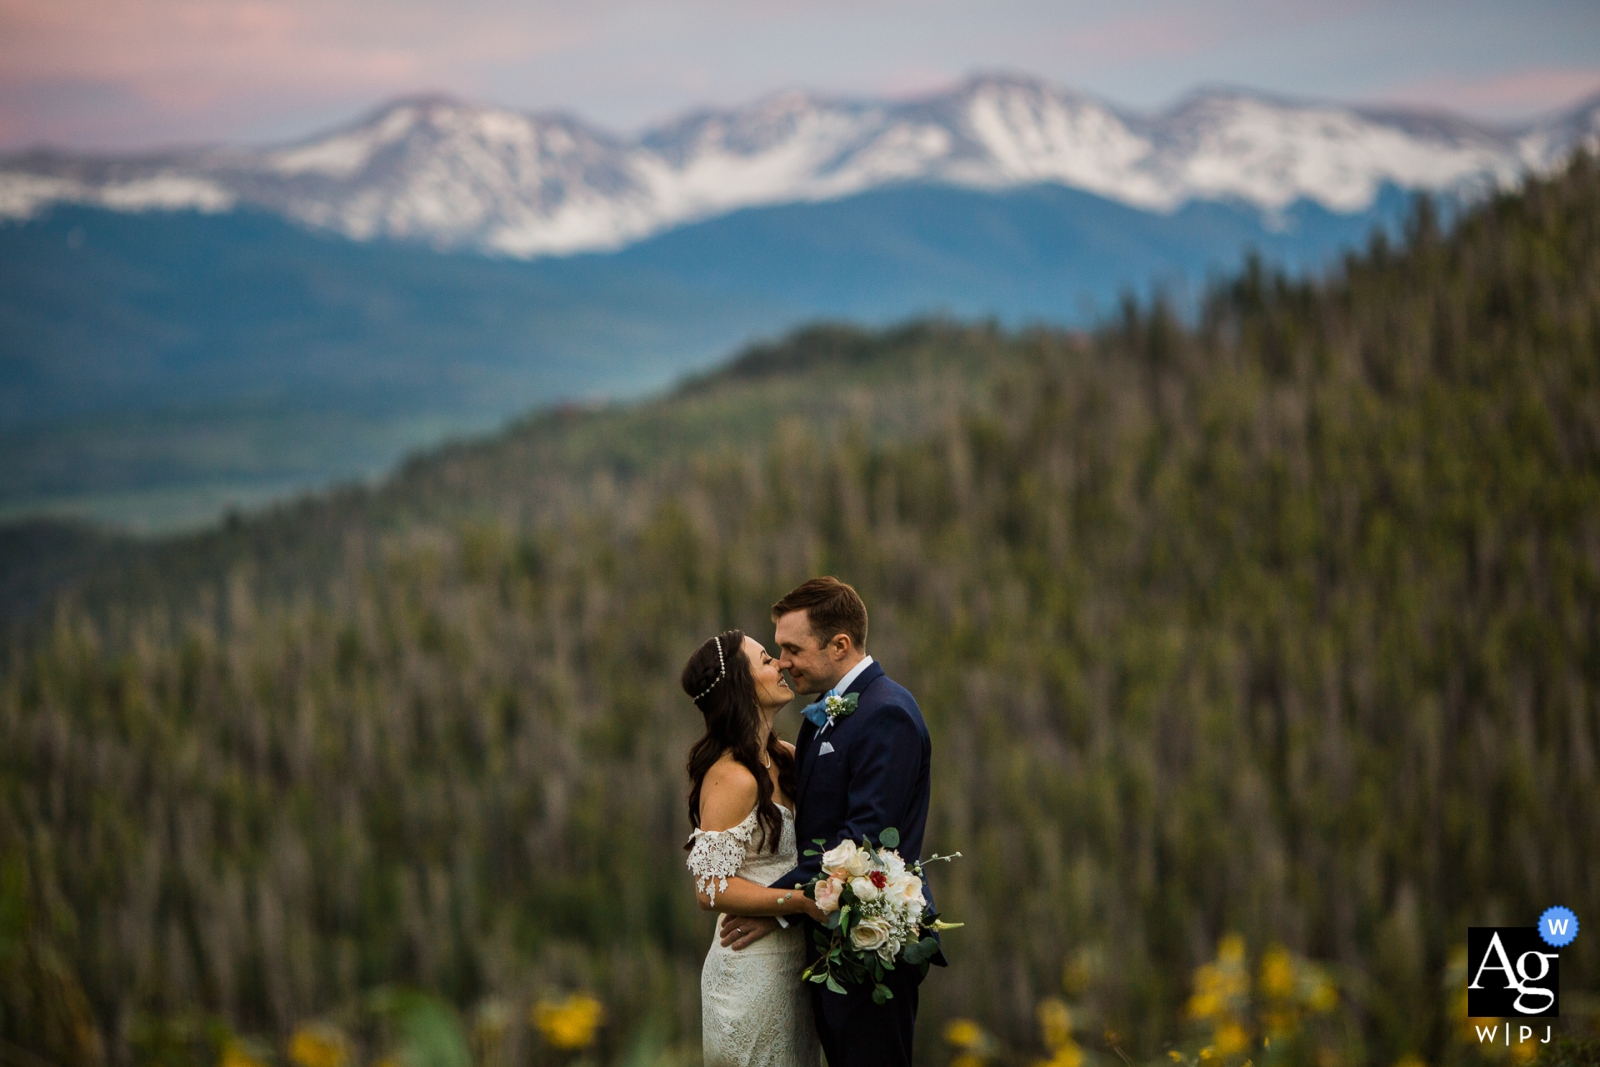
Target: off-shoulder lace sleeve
column 717, row 856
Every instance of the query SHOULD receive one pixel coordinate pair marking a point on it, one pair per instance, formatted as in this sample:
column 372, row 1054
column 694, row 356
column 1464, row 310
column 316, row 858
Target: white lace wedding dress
column 755, row 1011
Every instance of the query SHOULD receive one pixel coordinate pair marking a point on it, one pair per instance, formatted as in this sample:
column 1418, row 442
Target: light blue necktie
column 818, row 713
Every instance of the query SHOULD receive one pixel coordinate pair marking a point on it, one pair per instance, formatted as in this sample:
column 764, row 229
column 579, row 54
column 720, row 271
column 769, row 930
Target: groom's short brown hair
column 831, row 607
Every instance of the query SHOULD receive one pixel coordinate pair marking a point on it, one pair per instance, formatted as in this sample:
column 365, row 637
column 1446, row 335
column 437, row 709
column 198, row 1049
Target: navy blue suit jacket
column 876, row 776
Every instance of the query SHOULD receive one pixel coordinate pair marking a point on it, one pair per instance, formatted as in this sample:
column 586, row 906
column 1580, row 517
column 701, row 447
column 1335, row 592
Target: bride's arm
column 726, row 798
column 744, row 897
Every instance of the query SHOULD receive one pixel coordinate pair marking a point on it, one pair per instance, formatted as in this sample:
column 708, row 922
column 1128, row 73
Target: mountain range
column 187, row 331
column 462, row 176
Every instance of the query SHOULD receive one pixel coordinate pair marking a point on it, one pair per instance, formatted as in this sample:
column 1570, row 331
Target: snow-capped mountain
column 464, row 176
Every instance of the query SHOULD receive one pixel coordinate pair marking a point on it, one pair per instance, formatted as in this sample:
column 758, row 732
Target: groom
column 857, row 775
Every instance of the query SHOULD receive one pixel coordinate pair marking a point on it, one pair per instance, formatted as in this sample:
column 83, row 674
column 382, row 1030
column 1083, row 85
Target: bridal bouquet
column 877, row 915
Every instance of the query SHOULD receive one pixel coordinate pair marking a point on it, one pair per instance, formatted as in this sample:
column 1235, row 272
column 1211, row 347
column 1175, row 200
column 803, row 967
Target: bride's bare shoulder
column 727, row 794
column 787, row 746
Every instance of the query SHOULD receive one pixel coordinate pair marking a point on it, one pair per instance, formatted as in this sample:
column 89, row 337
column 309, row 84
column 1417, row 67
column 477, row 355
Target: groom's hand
column 742, row 931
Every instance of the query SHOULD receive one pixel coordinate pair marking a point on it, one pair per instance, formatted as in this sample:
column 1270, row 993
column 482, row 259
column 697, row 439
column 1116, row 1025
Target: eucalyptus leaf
column 890, row 838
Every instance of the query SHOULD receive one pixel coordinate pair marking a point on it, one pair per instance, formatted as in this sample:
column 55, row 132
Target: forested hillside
column 154, row 366
column 1283, row 624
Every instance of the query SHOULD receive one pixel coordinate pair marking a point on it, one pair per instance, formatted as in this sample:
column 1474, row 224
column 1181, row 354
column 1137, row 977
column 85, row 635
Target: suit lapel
column 806, row 746
column 802, row 749
column 862, row 680
column 873, row 672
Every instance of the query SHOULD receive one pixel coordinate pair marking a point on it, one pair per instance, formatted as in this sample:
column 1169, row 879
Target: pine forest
column 1259, row 644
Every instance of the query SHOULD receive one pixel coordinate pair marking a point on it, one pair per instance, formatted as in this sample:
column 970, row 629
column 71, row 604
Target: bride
column 755, row 1010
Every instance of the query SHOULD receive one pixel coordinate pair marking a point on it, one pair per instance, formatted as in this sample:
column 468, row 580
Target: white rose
column 869, row 935
column 864, row 890
column 893, row 865
column 906, row 892
column 836, row 856
column 846, row 859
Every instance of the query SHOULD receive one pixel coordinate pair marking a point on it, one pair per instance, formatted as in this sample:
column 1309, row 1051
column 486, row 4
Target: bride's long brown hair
column 733, row 725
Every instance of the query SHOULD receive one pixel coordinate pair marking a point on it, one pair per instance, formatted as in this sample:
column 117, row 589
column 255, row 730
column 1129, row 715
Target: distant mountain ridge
column 463, row 176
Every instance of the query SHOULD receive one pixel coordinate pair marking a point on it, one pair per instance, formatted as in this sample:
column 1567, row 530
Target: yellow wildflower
column 318, row 1046
column 1230, row 1039
column 1324, row 994
column 1213, row 988
column 1231, row 950
column 1277, row 973
column 1055, row 1019
column 235, row 1054
column 568, row 1024
column 963, row 1033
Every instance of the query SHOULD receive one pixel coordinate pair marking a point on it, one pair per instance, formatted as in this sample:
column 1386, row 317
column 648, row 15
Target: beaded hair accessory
column 722, row 669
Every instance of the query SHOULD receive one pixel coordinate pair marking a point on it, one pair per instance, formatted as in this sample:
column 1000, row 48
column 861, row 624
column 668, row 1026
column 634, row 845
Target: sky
column 142, row 74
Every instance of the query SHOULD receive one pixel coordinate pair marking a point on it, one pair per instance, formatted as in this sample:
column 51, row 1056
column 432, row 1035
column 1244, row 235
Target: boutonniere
column 831, row 708
column 837, row 707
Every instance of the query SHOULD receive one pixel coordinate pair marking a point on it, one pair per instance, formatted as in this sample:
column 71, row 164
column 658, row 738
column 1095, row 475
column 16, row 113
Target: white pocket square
column 827, row 747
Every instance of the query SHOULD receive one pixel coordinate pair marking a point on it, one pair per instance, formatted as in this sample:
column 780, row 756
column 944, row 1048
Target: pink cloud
column 1190, row 29
column 188, row 53
column 912, row 81
column 125, row 73
column 1517, row 94
column 1133, row 37
column 121, row 73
